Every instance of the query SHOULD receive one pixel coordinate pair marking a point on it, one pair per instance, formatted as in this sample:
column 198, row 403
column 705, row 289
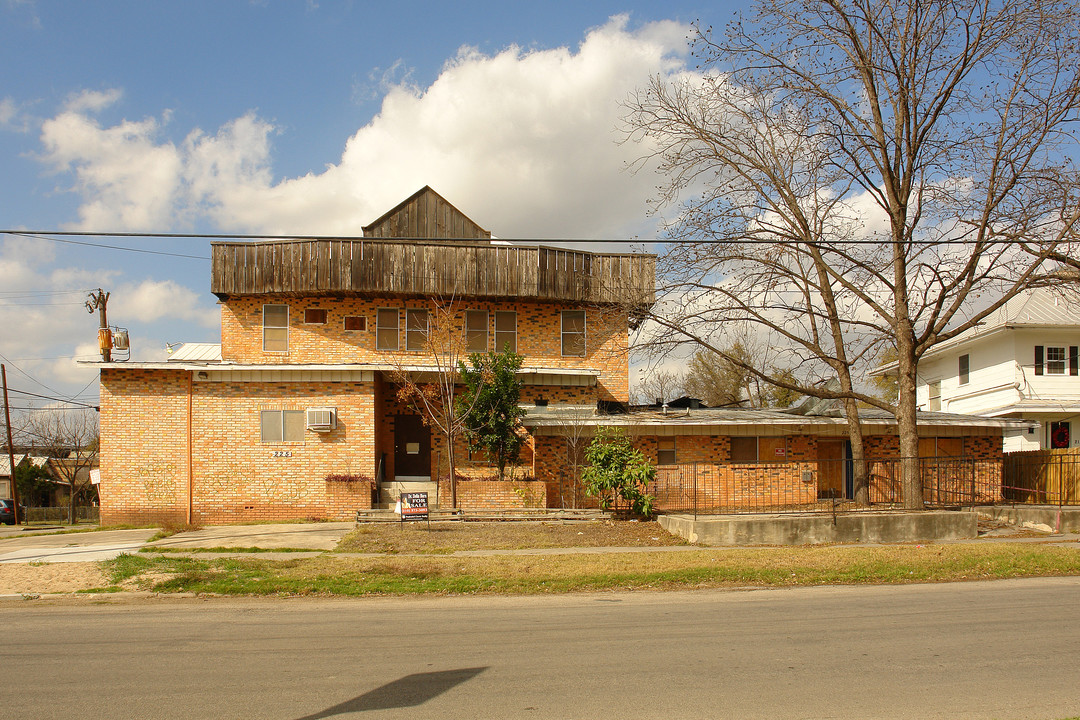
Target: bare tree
column 658, row 385
column 872, row 175
column 70, row 438
column 432, row 390
column 721, row 382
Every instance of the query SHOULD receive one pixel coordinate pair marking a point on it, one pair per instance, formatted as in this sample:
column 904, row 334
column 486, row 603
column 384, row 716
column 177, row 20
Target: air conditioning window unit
column 322, row 419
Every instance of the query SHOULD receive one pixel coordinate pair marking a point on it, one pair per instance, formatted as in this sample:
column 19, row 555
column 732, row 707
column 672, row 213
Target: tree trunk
column 860, row 477
column 453, row 470
column 71, row 504
column 907, row 427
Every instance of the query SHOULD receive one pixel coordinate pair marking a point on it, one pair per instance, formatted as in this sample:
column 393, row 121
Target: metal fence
column 52, row 515
column 828, row 485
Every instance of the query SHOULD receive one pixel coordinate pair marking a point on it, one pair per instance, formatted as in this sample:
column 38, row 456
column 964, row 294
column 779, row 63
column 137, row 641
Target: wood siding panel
column 311, row 267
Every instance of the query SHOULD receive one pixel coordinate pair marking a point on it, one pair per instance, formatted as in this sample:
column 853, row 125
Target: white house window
column 476, row 330
column 277, row 426
column 934, row 404
column 665, row 451
column 1055, row 361
column 965, row 369
column 416, row 329
column 275, row 328
column 386, row 329
column 573, row 333
column 505, row 331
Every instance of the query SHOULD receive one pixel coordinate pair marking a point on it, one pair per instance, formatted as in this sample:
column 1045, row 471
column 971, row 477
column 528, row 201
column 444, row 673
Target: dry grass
column 447, row 537
column 524, row 574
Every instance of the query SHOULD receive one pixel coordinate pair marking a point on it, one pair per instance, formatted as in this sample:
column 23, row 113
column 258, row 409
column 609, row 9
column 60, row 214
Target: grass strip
column 227, row 549
column 693, row 568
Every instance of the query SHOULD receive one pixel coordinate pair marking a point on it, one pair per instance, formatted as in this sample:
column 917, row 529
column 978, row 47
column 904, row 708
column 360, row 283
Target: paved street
column 1007, row 649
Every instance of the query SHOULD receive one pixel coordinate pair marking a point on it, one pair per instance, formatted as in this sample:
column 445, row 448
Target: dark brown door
column 412, row 446
column 830, row 468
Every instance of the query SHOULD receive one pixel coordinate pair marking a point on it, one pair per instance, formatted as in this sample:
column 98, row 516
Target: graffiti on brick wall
column 158, row 480
column 247, row 481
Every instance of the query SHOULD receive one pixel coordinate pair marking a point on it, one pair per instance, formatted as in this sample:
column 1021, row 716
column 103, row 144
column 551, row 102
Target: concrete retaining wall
column 814, row 529
column 1064, row 520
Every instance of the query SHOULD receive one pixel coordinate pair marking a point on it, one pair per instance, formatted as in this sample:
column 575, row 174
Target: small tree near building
column 70, row 436
column 618, row 470
column 490, row 405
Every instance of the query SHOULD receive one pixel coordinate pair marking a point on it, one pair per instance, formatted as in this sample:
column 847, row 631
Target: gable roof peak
column 425, row 215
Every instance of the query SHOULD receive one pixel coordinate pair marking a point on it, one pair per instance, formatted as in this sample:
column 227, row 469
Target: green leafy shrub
column 617, row 470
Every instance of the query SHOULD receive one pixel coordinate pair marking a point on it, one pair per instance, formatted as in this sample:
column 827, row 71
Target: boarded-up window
column 277, row 426
column 315, row 316
column 573, row 333
column 505, row 331
column 665, row 451
column 386, row 329
column 744, row 450
column 356, row 322
column 476, row 330
column 772, row 449
column 275, row 328
column 416, row 329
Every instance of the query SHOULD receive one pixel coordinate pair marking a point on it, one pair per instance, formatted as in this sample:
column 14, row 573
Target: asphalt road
column 1008, row 649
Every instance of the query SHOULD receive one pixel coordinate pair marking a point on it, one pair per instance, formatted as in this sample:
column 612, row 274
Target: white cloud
column 524, row 141
column 153, row 300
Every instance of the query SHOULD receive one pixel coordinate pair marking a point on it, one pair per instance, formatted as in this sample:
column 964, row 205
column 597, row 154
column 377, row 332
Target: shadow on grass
column 409, row 691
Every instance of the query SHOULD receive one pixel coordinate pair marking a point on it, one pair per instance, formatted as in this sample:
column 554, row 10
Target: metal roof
column 734, row 417
column 197, row 352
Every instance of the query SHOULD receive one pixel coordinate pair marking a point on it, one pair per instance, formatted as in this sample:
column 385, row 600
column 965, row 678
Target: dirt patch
column 447, row 537
column 32, row 578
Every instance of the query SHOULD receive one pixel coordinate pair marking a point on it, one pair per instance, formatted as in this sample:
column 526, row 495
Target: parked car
column 7, row 511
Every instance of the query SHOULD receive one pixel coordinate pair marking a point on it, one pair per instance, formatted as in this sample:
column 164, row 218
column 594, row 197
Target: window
column 356, row 323
column 275, row 328
column 281, row 426
column 476, row 330
column 573, row 333
column 765, row 450
column 965, row 369
column 386, row 329
column 665, row 451
column 934, row 404
column 1059, row 434
column 416, row 329
column 315, row 316
column 1055, row 361
column 743, row 450
column 505, row 331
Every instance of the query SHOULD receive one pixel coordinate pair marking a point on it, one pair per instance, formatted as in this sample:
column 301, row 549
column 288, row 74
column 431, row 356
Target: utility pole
column 10, row 446
column 98, row 300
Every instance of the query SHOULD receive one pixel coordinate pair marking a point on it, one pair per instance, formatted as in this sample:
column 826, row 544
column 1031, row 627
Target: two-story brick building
column 317, row 335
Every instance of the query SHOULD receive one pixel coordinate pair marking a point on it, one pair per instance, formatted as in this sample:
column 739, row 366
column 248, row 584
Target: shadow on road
column 408, row 691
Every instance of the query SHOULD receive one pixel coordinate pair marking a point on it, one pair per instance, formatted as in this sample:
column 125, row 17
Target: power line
column 54, row 399
column 43, row 235
column 37, row 236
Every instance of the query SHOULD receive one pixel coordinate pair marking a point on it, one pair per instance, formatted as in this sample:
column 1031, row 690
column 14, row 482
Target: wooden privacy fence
column 1043, row 476
column 304, row 267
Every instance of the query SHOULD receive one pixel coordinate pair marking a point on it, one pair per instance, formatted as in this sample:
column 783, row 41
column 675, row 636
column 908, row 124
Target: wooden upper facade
column 410, row 256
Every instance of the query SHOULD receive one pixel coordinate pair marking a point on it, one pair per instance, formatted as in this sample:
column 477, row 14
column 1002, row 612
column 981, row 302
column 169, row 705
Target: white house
column 1021, row 362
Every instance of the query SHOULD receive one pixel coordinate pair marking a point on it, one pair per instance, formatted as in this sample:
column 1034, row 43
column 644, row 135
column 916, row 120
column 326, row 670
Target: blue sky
column 305, row 117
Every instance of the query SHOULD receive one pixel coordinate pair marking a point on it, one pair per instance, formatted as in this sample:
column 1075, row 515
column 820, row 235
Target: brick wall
column 496, row 494
column 538, row 337
column 235, row 477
